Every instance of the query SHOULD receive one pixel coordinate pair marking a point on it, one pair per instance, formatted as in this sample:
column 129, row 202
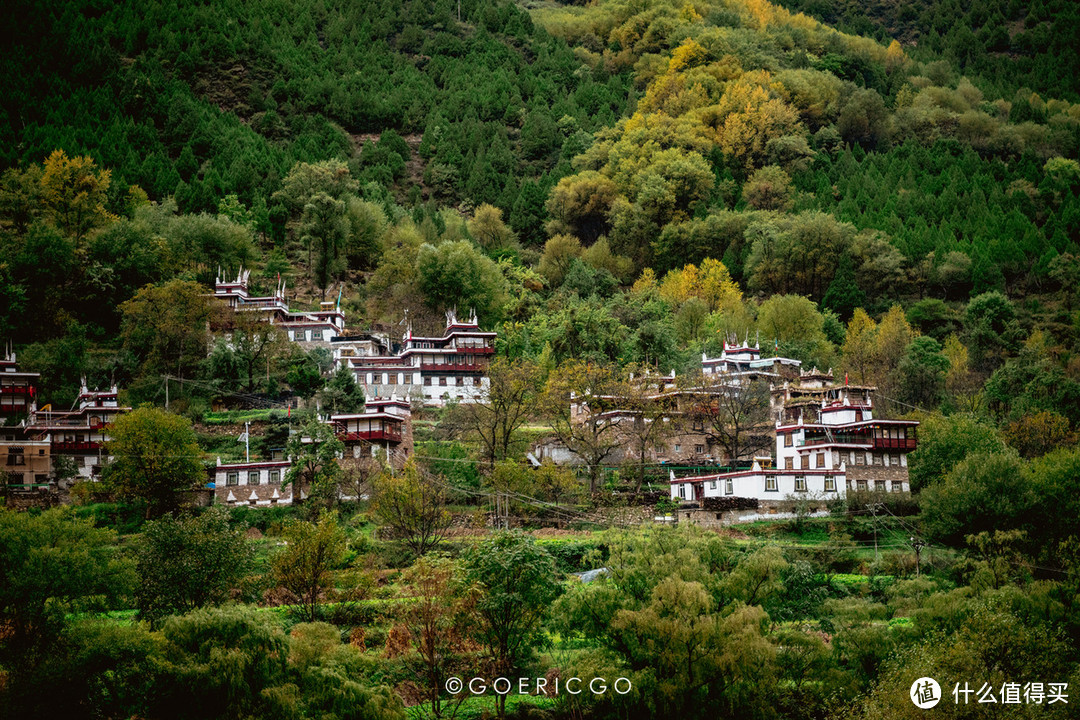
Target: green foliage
column 315, row 469
column 188, row 562
column 922, row 371
column 457, row 275
column 983, row 492
column 305, row 566
column 342, row 394
column 53, row 564
column 517, row 581
column 413, row 506
column 165, row 327
column 156, row 457
column 944, row 442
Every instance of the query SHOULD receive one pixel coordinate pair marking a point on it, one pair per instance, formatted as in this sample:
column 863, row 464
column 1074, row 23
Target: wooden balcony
column 69, row 446
column 895, row 443
column 370, row 436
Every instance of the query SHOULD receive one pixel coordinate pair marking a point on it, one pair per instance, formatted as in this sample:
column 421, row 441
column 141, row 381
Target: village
column 540, row 360
column 764, row 434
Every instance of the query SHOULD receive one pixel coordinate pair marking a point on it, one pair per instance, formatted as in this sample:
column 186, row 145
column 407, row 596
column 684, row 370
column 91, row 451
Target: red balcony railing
column 16, row 390
column 895, row 443
column 369, row 435
column 72, row 446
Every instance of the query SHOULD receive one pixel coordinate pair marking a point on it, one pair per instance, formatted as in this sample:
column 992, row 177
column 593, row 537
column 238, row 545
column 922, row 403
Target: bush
column 576, row 555
column 352, row 614
column 123, row 517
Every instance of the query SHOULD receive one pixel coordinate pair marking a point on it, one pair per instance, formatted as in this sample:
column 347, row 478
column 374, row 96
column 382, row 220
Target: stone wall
column 873, row 473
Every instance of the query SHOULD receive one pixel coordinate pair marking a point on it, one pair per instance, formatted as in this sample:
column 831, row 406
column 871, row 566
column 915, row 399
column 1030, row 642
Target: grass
column 476, row 707
column 226, row 417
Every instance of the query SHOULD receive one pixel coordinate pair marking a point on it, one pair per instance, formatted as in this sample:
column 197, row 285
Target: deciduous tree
column 517, row 585
column 503, row 406
column 414, row 506
column 305, row 566
column 155, row 458
column 186, row 563
column 577, row 398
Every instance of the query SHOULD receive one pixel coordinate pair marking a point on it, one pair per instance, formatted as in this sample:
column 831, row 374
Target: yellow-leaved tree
column 74, row 192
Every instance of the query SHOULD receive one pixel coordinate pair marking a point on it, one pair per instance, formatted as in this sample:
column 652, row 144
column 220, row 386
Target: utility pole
column 246, row 437
column 918, row 545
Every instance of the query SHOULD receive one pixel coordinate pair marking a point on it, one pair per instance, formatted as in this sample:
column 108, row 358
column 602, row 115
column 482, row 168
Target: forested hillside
column 203, row 100
column 1005, row 45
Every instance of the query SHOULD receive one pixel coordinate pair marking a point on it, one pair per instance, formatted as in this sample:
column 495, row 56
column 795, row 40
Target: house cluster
column 840, row 447
column 382, row 432
column 33, row 439
column 430, row 370
column 812, row 436
column 827, row 440
column 433, row 370
column 309, row 328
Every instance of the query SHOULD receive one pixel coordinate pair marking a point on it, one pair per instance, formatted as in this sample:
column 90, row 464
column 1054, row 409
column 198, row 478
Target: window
column 860, row 485
column 316, row 334
column 879, row 486
column 770, row 483
column 830, row 483
column 712, row 484
column 232, row 478
column 729, row 487
column 275, row 477
column 442, row 382
column 392, row 379
column 800, row 483
column 860, row 458
column 805, row 462
column 787, row 440
column 427, row 381
column 682, row 492
column 821, row 460
column 789, row 463
column 877, row 458
column 678, row 448
column 253, row 477
column 699, row 424
column 15, row 456
column 699, row 449
column 897, row 486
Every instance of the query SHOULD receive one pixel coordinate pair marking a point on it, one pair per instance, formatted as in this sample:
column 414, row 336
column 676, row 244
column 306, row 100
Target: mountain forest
column 889, row 191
